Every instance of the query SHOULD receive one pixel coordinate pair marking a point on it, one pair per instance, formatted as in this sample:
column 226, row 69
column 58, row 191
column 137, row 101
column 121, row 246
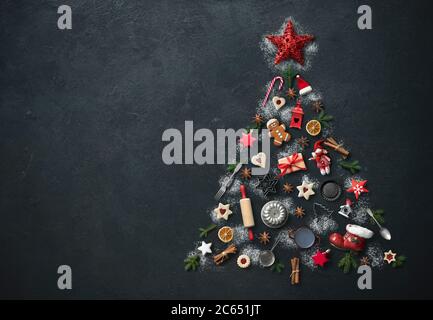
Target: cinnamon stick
column 332, row 143
column 224, row 255
column 294, row 276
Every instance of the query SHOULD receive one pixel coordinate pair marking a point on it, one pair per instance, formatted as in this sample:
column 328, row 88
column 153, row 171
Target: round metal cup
column 274, row 214
column 304, row 238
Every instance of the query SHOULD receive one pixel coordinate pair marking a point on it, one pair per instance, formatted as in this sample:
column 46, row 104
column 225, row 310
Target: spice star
column 290, row 44
column 246, row 173
column 299, row 212
column 389, row 256
column 291, row 93
column 364, row 261
column 288, row 188
column 264, row 237
column 258, row 119
column 247, row 140
column 357, row 188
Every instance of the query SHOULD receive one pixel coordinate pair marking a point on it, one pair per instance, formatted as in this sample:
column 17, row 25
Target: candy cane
column 270, row 88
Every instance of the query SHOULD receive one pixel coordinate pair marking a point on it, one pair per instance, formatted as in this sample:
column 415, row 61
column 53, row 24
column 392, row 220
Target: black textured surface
column 82, row 113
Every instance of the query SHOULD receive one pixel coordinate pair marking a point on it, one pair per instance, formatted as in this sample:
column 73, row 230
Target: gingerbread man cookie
column 278, row 132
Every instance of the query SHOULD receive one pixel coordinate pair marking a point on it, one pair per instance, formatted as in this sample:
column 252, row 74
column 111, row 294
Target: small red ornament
column 320, row 258
column 247, row 140
column 290, row 44
column 357, row 188
column 297, row 115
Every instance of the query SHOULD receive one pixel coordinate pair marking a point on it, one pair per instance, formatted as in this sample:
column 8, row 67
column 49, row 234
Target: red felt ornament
column 320, row 258
column 290, row 44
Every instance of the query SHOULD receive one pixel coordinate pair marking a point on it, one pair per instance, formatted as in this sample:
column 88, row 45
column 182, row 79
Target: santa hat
column 303, row 86
column 359, row 231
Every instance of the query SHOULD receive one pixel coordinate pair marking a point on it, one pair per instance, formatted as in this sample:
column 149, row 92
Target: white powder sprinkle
column 289, row 149
column 323, row 224
column 253, row 253
column 375, row 255
column 359, row 214
column 306, row 258
column 285, row 241
column 240, row 235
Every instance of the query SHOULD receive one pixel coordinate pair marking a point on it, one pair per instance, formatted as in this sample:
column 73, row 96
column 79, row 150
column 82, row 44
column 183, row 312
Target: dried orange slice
column 313, row 127
column 225, row 234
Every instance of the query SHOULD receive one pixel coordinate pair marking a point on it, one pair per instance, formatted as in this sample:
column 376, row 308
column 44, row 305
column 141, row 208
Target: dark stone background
column 88, row 106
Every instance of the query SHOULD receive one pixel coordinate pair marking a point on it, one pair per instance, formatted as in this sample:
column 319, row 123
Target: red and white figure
column 303, row 86
column 354, row 239
column 323, row 162
column 358, row 187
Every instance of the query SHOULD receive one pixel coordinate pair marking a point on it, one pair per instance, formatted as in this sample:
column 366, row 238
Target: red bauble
column 290, row 44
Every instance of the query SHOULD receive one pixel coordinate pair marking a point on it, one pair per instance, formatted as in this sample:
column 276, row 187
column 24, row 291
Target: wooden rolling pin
column 247, row 212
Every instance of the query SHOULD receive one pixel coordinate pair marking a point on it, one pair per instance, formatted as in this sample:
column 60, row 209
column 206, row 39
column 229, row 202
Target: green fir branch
column 352, row 166
column 204, row 231
column 324, row 119
column 288, row 76
column 379, row 216
column 399, row 261
column 231, row 167
column 277, row 267
column 192, row 263
column 347, row 262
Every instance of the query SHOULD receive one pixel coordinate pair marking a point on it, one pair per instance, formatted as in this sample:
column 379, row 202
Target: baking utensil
column 274, row 214
column 384, row 232
column 223, row 188
column 247, row 212
column 267, row 257
column 304, row 237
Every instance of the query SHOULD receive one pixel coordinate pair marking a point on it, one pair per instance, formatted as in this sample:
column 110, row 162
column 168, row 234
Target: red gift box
column 292, row 163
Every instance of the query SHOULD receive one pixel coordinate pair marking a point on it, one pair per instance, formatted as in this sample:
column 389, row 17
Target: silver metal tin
column 274, row 214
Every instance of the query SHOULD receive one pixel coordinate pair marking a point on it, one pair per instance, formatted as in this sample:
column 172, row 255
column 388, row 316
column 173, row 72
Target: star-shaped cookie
column 205, row 248
column 305, row 190
column 223, row 211
column 389, row 256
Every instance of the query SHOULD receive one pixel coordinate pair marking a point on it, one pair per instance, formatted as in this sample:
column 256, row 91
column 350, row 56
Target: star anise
column 299, row 212
column 246, row 173
column 317, row 106
column 364, row 261
column 303, row 142
column 258, row 119
column 287, row 187
column 291, row 93
column 264, row 237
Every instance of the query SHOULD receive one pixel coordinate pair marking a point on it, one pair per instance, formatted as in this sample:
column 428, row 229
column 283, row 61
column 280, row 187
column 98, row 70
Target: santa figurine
column 323, row 162
column 354, row 239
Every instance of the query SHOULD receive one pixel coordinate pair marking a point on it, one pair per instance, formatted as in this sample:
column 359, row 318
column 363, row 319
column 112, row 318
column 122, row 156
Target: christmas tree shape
column 327, row 161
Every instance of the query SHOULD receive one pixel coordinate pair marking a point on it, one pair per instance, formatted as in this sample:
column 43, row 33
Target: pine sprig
column 288, row 76
column 399, row 261
column 347, row 262
column 204, row 231
column 352, row 166
column 324, row 119
column 378, row 215
column 231, row 167
column 192, row 263
column 277, row 267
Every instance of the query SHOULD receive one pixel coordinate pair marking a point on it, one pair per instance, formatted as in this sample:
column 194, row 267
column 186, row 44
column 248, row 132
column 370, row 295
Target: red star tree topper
column 290, row 44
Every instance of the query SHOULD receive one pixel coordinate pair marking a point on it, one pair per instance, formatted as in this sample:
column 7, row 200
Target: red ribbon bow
column 291, row 163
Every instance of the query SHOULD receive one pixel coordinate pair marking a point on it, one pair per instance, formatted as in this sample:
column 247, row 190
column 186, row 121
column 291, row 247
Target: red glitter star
column 290, row 44
column 357, row 188
column 247, row 140
column 320, row 258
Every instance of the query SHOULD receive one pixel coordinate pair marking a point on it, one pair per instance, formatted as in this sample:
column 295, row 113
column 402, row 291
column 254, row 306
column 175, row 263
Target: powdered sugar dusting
column 306, row 258
column 359, row 214
column 308, row 179
column 240, row 235
column 323, row 224
column 285, row 240
column 289, row 149
column 375, row 255
column 253, row 253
